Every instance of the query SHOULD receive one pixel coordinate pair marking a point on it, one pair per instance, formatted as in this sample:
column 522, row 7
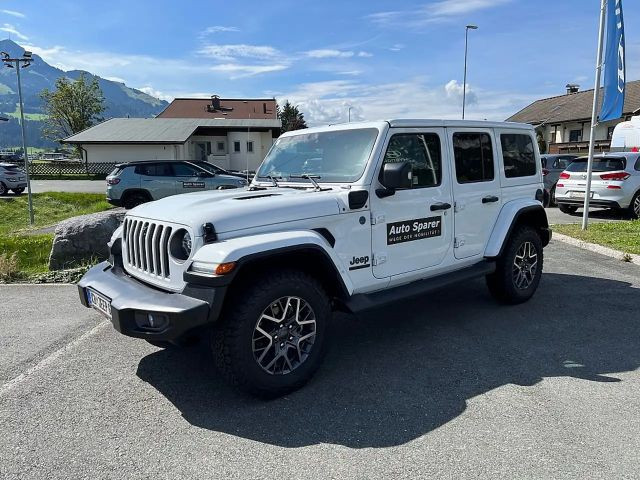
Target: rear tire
column 568, row 209
column 273, row 344
column 552, row 197
column 132, row 200
column 519, row 268
column 18, row 191
column 634, row 207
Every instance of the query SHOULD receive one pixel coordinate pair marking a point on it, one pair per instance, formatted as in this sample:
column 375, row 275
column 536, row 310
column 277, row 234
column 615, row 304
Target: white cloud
column 240, row 71
column 453, row 90
column 365, row 54
column 13, row 13
column 7, row 27
column 328, row 53
column 149, row 90
column 231, row 52
column 219, row 29
column 115, row 79
column 396, row 47
column 328, row 102
column 432, row 12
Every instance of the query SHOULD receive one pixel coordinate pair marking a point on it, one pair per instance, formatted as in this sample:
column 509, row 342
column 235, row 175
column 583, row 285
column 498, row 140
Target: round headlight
column 180, row 245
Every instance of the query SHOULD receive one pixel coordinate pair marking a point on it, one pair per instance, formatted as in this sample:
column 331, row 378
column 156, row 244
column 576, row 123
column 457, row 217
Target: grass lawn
column 32, row 250
column 624, row 236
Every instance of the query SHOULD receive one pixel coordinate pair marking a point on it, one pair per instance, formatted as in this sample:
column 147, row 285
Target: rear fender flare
column 511, row 214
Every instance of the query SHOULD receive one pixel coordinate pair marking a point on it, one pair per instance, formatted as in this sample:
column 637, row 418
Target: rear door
column 156, row 178
column 476, row 188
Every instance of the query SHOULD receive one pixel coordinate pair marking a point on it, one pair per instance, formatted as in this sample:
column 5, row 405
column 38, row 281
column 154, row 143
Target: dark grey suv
column 552, row 167
column 12, row 178
column 134, row 183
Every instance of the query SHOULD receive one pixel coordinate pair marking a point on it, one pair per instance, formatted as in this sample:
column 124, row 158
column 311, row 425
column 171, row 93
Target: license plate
column 580, row 194
column 99, row 302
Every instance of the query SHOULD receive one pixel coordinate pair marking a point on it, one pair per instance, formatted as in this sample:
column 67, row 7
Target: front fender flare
column 508, row 218
column 245, row 249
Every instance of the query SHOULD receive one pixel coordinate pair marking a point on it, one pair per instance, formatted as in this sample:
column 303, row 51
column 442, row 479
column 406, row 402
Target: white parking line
column 45, row 362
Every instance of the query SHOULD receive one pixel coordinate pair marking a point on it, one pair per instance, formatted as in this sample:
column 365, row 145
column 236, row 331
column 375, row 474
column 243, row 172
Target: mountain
column 120, row 100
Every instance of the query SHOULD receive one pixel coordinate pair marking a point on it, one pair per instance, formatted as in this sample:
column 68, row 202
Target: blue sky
column 385, row 58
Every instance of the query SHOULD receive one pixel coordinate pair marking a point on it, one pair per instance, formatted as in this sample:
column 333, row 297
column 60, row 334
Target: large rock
column 83, row 238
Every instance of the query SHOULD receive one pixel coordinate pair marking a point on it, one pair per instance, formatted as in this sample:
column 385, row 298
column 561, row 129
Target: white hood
column 235, row 209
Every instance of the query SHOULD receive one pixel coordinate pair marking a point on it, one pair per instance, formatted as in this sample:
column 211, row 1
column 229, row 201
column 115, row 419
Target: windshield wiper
column 311, row 178
column 270, row 177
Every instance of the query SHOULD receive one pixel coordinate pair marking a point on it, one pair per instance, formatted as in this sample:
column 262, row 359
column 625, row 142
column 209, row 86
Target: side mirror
column 395, row 176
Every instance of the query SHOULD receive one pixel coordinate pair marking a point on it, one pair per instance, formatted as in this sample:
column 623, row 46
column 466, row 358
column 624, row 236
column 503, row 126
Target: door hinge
column 458, row 242
column 376, row 219
column 379, row 258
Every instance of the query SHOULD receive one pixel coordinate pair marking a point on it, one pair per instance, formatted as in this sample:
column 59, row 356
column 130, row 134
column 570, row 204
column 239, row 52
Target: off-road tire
column 633, row 211
column 18, row 191
column 232, row 336
column 132, row 200
column 502, row 283
column 568, row 209
column 3, row 189
column 552, row 197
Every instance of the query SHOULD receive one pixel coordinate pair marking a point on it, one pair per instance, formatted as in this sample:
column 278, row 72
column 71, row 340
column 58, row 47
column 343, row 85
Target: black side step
column 368, row 301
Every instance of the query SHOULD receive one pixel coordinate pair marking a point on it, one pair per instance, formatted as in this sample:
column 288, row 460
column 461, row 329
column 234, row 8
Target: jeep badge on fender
column 292, row 246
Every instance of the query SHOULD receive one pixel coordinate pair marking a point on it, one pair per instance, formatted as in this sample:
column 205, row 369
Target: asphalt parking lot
column 451, row 385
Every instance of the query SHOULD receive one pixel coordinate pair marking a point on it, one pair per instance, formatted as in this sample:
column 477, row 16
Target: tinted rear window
column 599, row 165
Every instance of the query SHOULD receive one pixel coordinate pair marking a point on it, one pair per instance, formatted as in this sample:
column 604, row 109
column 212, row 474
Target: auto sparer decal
column 416, row 229
column 192, row 184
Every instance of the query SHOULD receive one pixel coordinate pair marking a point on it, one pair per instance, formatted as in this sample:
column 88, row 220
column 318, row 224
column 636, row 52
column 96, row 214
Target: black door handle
column 440, row 206
column 490, row 199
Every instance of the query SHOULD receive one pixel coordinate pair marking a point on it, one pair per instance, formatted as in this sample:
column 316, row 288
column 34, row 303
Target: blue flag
column 614, row 64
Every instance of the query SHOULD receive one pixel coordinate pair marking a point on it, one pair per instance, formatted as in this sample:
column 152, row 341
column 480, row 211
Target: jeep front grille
column 147, row 246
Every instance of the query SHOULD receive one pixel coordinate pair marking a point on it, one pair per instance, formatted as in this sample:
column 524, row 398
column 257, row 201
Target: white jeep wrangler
column 346, row 217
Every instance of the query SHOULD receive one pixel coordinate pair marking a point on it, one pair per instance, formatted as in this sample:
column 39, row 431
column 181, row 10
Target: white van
column 626, row 136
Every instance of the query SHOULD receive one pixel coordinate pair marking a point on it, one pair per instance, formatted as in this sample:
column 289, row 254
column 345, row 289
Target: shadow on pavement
column 401, row 372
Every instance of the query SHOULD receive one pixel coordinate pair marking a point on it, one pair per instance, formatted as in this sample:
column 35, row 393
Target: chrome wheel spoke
column 283, row 336
column 525, row 265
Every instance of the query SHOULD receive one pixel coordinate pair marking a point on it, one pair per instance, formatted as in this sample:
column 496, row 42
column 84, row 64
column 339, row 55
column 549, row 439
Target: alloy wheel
column 525, row 265
column 284, row 335
column 636, row 206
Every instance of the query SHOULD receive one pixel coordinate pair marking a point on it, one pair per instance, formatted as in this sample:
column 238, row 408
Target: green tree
column 542, row 145
column 291, row 117
column 72, row 107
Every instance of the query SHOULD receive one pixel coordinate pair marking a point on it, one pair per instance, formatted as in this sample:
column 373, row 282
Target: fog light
column 151, row 321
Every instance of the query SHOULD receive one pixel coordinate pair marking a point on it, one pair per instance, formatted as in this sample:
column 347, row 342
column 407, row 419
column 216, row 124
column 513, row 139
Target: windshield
column 599, row 165
column 338, row 156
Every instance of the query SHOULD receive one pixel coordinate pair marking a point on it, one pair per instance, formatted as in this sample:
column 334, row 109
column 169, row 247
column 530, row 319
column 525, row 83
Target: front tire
column 519, row 268
column 568, row 209
column 18, row 191
column 273, row 344
column 132, row 200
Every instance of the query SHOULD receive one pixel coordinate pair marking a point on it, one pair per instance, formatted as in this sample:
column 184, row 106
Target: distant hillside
column 120, row 100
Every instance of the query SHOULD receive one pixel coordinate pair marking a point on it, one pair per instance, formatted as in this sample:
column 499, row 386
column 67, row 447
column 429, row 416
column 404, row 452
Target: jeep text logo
column 357, row 263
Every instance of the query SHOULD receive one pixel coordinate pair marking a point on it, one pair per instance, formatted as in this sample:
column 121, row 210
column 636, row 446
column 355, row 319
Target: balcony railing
column 579, row 147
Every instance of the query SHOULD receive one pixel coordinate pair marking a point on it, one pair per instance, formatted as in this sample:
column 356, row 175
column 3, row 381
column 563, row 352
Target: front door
column 413, row 228
column 476, row 189
column 189, row 178
column 156, row 178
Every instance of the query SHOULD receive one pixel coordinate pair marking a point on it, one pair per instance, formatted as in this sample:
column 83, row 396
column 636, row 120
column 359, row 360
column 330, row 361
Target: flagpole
column 594, row 115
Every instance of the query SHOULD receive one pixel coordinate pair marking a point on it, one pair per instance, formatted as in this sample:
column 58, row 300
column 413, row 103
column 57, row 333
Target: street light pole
column 25, row 61
column 350, row 114
column 464, row 82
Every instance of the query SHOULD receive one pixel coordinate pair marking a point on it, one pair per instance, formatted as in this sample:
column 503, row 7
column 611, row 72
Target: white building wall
column 118, row 153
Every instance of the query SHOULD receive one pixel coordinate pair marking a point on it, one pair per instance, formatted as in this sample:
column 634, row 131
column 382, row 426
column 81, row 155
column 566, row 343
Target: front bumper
column 133, row 301
column 116, row 202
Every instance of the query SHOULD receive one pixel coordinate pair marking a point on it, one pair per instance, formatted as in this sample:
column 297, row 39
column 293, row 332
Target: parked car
column 134, row 183
column 347, row 217
column 552, row 167
column 615, row 183
column 12, row 178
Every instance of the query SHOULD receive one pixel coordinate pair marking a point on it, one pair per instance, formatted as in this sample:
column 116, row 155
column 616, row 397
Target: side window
column 184, row 170
column 236, row 146
column 422, row 150
column 473, row 154
column 154, row 170
column 518, row 155
column 220, row 146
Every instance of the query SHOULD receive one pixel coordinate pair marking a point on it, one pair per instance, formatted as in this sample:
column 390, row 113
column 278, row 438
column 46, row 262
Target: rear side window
column 599, row 165
column 474, row 157
column 422, row 151
column 154, row 170
column 518, row 155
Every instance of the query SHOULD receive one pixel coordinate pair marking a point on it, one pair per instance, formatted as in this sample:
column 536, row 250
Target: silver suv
column 132, row 184
column 615, row 183
column 12, row 178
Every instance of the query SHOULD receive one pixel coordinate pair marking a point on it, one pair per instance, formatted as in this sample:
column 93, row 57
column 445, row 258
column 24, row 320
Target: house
column 565, row 121
column 233, row 134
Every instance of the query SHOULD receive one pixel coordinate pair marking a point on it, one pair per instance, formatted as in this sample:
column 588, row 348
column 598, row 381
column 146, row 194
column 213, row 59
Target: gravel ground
column 449, row 386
